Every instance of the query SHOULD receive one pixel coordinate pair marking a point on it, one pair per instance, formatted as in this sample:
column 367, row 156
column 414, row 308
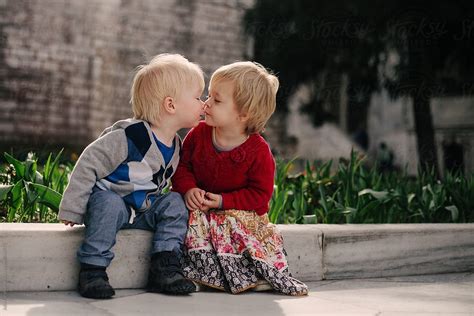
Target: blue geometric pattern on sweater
column 120, row 174
column 166, row 151
column 138, row 142
column 135, row 199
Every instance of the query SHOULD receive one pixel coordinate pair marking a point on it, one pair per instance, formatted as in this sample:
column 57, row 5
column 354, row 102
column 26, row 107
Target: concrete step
column 41, row 257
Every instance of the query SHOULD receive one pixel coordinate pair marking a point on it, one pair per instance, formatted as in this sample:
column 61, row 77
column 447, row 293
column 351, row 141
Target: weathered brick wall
column 66, row 66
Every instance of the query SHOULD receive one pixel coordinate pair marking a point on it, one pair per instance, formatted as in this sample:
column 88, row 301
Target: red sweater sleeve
column 257, row 194
column 183, row 179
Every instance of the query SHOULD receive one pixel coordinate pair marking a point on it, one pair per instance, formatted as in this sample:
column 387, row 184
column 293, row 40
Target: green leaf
column 324, row 181
column 454, row 212
column 18, row 165
column 47, row 196
column 31, row 194
column 54, row 166
column 379, row 195
column 349, row 210
column 277, row 205
column 17, row 195
column 367, row 209
column 30, row 167
column 432, row 205
column 4, row 189
column 16, row 200
column 39, row 178
column 310, row 219
column 322, row 201
column 46, row 167
column 325, row 169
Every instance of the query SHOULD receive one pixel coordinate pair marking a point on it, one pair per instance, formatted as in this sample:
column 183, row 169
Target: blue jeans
column 107, row 213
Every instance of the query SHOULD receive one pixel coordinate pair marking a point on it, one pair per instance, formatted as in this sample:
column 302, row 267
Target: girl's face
column 220, row 108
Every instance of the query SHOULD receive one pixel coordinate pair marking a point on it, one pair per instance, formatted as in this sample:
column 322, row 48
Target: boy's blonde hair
column 255, row 91
column 166, row 75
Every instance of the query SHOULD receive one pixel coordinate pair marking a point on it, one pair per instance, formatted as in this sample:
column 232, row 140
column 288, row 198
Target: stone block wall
column 66, row 66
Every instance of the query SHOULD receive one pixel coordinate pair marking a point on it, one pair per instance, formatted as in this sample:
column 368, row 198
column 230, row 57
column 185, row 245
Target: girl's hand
column 212, row 200
column 194, row 198
column 68, row 223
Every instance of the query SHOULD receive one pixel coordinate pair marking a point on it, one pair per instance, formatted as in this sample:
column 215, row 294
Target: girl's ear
column 168, row 105
column 243, row 117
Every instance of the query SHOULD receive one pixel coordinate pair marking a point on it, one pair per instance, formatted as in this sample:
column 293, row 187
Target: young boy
column 118, row 180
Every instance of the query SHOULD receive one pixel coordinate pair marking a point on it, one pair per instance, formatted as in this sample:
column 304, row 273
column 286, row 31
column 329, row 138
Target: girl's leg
column 200, row 261
column 250, row 248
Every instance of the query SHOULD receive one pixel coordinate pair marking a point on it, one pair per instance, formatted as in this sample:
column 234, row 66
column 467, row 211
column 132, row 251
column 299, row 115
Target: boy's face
column 220, row 108
column 190, row 106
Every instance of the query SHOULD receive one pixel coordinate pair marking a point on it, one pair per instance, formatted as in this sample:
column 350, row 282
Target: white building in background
column 392, row 122
column 329, row 141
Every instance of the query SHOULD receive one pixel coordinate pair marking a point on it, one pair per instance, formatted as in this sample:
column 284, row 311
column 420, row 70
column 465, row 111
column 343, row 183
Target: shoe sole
column 170, row 288
column 105, row 295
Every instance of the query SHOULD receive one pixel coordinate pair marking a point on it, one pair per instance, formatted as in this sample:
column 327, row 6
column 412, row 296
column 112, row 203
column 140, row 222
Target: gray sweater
column 124, row 159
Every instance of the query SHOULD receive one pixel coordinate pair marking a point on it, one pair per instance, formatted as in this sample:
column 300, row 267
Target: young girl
column 226, row 175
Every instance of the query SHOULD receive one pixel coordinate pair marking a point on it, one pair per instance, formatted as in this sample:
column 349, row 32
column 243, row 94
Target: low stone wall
column 41, row 257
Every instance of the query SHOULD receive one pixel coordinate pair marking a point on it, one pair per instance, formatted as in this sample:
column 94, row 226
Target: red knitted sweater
column 243, row 176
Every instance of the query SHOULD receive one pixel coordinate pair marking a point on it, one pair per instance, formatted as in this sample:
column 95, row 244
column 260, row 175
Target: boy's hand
column 68, row 223
column 212, row 200
column 194, row 198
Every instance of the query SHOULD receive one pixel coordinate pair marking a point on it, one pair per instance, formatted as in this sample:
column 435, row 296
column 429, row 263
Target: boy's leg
column 106, row 214
column 168, row 217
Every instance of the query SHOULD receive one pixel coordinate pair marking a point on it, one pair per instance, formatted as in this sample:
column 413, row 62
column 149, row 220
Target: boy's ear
column 168, row 105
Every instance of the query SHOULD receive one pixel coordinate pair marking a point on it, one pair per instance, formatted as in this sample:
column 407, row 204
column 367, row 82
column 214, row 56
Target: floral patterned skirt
column 231, row 250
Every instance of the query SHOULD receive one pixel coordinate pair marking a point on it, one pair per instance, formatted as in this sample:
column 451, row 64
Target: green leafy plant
column 350, row 192
column 28, row 194
column 281, row 191
column 355, row 193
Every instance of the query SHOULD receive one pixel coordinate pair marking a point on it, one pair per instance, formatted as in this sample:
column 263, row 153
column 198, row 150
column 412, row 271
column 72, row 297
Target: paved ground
column 448, row 294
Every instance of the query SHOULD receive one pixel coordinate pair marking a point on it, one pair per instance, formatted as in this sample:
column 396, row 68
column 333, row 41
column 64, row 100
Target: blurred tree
column 412, row 48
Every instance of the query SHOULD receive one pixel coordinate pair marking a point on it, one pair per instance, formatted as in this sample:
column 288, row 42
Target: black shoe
column 94, row 283
column 166, row 275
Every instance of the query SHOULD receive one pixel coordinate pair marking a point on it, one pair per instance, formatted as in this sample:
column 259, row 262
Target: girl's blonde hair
column 255, row 90
column 166, row 75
